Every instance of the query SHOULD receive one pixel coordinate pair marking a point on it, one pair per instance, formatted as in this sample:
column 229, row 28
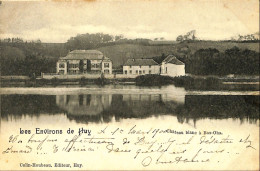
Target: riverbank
column 242, row 83
column 202, row 82
column 16, row 81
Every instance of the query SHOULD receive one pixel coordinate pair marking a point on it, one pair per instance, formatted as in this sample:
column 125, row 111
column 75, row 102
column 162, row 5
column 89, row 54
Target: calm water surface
column 233, row 113
column 110, row 104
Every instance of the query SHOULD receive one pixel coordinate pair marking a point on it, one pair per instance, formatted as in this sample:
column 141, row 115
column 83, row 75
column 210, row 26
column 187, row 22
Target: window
column 61, row 72
column 61, row 65
column 143, row 71
column 140, row 72
column 150, row 66
column 98, row 65
column 140, row 66
column 136, row 71
column 125, row 71
column 73, row 72
column 73, row 65
column 130, row 71
column 106, row 65
column 150, row 72
column 130, row 66
column 165, row 69
column 106, row 71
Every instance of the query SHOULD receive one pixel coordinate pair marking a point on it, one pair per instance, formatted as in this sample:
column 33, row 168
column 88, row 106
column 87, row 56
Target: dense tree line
column 232, row 61
column 31, row 65
column 93, row 41
column 28, row 59
column 248, row 37
column 88, row 41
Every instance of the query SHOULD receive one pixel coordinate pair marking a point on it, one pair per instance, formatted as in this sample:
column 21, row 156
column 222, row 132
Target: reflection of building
column 83, row 62
column 176, row 94
column 170, row 94
column 173, row 67
column 141, row 67
column 89, row 104
column 145, row 105
column 141, row 97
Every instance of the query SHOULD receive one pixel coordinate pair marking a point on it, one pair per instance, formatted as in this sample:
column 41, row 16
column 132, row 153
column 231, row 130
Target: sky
column 57, row 21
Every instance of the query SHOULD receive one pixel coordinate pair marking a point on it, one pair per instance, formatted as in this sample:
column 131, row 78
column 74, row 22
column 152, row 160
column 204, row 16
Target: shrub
column 153, row 80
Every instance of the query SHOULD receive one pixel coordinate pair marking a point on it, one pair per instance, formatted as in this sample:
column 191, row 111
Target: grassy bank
column 194, row 83
column 153, row 80
column 187, row 82
column 32, row 82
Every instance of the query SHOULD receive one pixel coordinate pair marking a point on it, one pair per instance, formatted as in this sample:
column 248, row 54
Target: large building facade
column 141, row 67
column 84, row 62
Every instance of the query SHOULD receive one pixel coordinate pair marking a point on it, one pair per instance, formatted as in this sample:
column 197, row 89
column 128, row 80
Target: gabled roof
column 173, row 60
column 138, row 62
column 85, row 54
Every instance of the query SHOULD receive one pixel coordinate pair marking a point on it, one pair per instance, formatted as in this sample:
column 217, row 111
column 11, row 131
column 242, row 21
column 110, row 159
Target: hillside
column 120, row 53
column 30, row 58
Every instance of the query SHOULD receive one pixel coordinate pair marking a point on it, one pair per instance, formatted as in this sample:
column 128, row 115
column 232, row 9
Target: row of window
column 73, row 65
column 106, row 71
column 98, row 65
column 73, row 72
column 137, row 72
column 140, row 66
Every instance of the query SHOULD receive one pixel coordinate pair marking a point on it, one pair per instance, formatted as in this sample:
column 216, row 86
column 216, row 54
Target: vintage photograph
column 129, row 85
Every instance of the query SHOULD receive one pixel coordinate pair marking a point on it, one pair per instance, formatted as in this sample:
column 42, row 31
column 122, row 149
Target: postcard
column 129, row 85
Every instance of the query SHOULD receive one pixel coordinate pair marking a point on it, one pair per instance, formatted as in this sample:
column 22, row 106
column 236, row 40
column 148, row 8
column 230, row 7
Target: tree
column 119, row 37
column 248, row 37
column 188, row 36
column 179, row 38
column 88, row 41
column 107, row 38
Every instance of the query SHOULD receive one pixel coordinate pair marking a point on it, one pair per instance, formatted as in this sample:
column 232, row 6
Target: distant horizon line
column 212, row 40
column 159, row 39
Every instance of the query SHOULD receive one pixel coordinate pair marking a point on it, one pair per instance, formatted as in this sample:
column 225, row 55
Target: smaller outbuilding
column 173, row 67
column 141, row 67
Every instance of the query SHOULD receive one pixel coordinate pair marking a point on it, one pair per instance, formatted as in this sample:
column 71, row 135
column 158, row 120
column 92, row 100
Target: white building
column 173, row 67
column 84, row 62
column 141, row 67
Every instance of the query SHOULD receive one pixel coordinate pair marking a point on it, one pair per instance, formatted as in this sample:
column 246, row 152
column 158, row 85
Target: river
column 231, row 112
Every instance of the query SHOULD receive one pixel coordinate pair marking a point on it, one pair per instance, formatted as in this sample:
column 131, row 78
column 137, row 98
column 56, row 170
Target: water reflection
column 83, row 104
column 106, row 107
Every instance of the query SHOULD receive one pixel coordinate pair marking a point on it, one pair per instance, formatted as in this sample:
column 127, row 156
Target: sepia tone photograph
column 129, row 85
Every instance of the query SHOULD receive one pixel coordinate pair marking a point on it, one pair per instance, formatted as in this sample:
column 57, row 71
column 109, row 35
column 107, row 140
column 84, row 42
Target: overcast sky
column 53, row 21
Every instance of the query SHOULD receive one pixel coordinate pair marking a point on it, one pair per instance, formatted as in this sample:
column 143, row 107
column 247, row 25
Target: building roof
column 173, row 60
column 142, row 62
column 85, row 54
